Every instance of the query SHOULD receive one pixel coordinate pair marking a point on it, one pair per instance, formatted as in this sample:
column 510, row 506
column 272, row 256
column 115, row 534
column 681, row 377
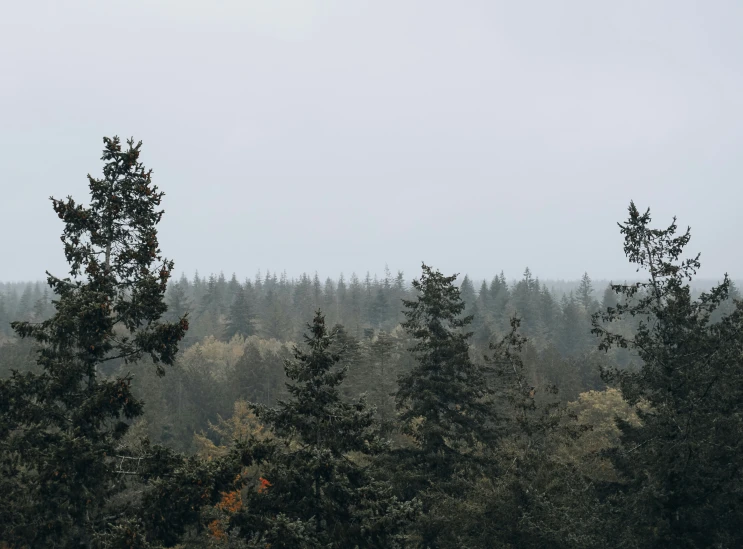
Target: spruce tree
column 59, row 428
column 443, row 400
column 316, row 489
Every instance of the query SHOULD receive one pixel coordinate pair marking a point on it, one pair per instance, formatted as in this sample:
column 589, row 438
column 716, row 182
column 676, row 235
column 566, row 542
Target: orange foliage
column 264, row 485
column 215, row 529
column 231, row 502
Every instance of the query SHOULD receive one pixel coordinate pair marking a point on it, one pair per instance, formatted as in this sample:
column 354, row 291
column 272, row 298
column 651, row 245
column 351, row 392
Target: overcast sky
column 294, row 135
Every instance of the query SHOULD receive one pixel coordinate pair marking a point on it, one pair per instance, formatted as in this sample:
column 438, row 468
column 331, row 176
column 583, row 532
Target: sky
column 338, row 136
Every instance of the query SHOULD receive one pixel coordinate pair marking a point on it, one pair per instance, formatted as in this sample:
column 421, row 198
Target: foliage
column 59, row 428
column 681, row 464
column 240, row 318
column 443, row 400
column 316, row 490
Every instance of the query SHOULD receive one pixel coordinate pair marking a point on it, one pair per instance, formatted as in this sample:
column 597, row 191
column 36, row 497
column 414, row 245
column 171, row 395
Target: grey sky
column 341, row 135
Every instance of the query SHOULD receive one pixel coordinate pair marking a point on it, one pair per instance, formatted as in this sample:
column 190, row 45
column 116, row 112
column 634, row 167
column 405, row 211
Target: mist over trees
column 210, row 411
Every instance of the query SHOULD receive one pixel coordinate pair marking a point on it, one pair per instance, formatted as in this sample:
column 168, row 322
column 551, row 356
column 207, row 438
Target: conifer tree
column 276, row 323
column 499, row 298
column 483, row 297
column 609, row 299
column 443, row 401
column 240, row 317
column 177, row 298
column 248, row 375
column 330, row 300
column 467, row 292
column 378, row 313
column 682, row 470
column 59, row 428
column 4, row 320
column 315, row 491
column 585, row 294
column 232, row 287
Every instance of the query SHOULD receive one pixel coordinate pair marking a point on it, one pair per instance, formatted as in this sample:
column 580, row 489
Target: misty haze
column 304, row 274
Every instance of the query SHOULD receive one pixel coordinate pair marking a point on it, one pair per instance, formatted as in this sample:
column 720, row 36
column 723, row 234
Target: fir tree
column 313, row 492
column 443, row 401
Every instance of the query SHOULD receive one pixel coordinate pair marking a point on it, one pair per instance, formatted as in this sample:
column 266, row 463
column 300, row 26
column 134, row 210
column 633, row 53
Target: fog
column 343, row 136
column 312, row 373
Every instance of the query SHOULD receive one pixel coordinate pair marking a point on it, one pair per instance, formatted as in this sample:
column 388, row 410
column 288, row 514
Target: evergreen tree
column 197, row 287
column 609, row 299
column 276, row 322
column 317, row 296
column 499, row 298
column 222, row 293
column 399, row 292
column 443, row 400
column 382, row 387
column 445, row 405
column 681, row 477
column 302, row 298
column 549, row 313
column 330, row 301
column 258, row 283
column 379, row 308
column 342, row 297
column 574, row 333
column 177, row 299
column 232, row 288
column 585, row 294
column 41, row 307
column 313, row 493
column 210, row 301
column 59, row 429
column 526, row 301
column 4, row 317
column 467, row 292
column 248, row 375
column 355, row 305
column 240, row 318
column 483, row 298
column 26, row 303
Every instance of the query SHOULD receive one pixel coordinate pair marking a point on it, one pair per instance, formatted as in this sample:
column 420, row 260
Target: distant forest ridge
column 558, row 287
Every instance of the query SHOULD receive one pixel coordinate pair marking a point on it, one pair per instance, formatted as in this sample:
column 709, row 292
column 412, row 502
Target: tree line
column 459, row 418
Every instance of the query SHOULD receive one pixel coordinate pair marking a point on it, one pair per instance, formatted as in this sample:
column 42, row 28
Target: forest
column 407, row 410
